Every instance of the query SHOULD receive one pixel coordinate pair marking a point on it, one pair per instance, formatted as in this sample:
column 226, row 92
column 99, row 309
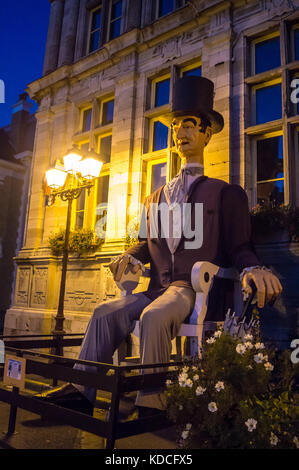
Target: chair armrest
column 129, row 281
column 203, row 272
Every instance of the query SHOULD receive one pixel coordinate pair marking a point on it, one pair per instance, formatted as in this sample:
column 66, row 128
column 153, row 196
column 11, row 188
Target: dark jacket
column 226, row 237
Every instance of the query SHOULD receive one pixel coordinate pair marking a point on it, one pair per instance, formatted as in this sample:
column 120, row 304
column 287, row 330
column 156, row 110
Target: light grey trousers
column 113, row 320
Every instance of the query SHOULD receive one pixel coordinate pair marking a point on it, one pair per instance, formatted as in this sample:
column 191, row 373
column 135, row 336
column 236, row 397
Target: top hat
column 194, row 96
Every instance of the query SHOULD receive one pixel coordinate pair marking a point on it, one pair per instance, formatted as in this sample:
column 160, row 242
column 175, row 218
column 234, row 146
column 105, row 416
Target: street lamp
column 79, row 173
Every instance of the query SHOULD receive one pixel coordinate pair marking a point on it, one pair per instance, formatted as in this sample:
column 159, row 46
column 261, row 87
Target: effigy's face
column 188, row 136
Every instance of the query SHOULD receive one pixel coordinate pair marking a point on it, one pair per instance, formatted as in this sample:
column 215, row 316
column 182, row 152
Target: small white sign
column 14, row 371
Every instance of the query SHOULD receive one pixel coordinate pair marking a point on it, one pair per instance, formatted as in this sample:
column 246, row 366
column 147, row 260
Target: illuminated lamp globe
column 71, row 160
column 55, row 178
column 90, row 168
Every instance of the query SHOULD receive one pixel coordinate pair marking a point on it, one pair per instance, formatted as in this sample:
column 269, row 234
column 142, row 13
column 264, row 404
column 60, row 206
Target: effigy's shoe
column 67, row 396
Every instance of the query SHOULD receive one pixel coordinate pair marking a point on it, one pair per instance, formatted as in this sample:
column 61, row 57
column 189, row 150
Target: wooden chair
column 202, row 276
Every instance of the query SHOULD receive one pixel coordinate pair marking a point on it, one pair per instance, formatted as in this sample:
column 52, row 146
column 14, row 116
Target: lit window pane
column 160, row 136
column 115, row 29
column 84, row 147
column 80, row 210
column 193, row 72
column 267, row 55
column 96, row 20
column 108, row 109
column 165, row 7
column 162, row 92
column 116, row 10
column 296, row 43
column 268, row 103
column 105, row 148
column 102, row 204
column 94, row 41
column 86, row 120
column 270, row 167
column 158, row 176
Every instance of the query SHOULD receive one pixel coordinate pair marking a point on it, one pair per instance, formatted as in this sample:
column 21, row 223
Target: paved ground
column 33, row 433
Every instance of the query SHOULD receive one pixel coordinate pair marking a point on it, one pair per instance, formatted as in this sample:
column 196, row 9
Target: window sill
column 264, row 127
column 157, row 111
column 264, row 76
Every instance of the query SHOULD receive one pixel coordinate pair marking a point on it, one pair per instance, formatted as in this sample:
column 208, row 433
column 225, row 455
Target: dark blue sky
column 23, row 34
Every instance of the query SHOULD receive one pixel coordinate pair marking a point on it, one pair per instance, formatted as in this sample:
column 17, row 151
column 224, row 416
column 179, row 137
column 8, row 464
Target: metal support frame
column 117, row 383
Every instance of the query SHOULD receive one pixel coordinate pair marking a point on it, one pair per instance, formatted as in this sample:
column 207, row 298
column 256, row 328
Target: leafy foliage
column 238, row 395
column 268, row 218
column 81, row 241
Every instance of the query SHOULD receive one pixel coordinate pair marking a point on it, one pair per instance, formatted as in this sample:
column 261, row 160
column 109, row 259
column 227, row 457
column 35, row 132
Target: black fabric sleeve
column 236, row 227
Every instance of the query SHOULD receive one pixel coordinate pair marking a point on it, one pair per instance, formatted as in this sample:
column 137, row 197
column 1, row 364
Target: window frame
column 99, row 137
column 82, row 111
column 151, row 135
column 102, row 102
column 91, row 12
column 292, row 43
column 258, row 86
column 258, row 40
column 74, row 208
column 104, row 172
column 187, row 68
column 154, row 82
column 157, row 8
column 254, row 182
column 110, row 21
column 149, row 170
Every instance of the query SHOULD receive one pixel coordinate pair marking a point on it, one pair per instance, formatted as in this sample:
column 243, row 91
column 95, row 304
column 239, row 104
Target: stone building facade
column 108, row 74
column 16, row 147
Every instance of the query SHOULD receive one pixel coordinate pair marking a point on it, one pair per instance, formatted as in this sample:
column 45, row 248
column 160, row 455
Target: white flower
column 217, row 334
column 251, row 424
column 212, row 407
column 248, row 337
column 219, row 386
column 182, row 379
column 211, row 340
column 240, row 348
column 196, row 377
column 168, row 383
column 268, row 366
column 259, row 346
column 200, row 391
column 188, row 426
column 249, row 367
column 188, row 383
column 273, row 439
column 185, row 434
column 180, row 407
column 248, row 345
column 185, row 369
column 194, row 368
column 296, row 442
column 258, row 358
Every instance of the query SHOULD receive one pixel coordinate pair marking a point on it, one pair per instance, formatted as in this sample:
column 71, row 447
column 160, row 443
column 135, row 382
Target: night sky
column 23, row 34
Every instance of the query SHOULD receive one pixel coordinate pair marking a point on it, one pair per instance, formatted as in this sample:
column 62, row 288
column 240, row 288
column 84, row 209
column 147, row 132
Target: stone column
column 54, row 33
column 69, row 31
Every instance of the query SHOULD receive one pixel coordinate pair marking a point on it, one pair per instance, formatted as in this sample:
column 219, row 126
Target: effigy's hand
column 118, row 265
column 267, row 284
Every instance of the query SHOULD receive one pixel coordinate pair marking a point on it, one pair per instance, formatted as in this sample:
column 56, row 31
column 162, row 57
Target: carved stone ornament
column 279, row 7
column 169, row 50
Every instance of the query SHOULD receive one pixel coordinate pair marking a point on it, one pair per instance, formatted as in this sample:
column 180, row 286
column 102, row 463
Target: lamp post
column 68, row 181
